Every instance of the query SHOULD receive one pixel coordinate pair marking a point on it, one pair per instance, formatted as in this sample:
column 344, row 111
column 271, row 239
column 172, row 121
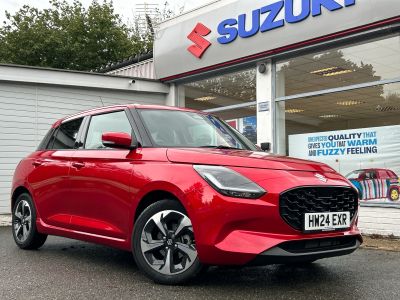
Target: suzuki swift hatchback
column 180, row 189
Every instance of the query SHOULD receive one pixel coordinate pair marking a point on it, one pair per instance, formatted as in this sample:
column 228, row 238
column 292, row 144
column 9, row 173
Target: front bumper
column 307, row 250
column 231, row 231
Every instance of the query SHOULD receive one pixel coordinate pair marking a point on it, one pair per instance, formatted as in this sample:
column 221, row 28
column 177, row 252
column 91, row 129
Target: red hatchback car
column 182, row 190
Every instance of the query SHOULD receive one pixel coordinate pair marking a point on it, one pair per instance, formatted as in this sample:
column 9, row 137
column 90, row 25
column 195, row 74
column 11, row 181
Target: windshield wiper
column 220, row 147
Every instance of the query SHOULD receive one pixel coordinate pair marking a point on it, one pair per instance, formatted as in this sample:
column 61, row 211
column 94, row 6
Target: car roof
column 107, row 109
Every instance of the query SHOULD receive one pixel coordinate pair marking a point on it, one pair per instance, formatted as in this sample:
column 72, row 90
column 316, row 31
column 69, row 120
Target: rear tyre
column 24, row 228
column 163, row 244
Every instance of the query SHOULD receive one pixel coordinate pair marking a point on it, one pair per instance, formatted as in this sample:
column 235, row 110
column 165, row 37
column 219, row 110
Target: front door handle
column 37, row 163
column 78, row 165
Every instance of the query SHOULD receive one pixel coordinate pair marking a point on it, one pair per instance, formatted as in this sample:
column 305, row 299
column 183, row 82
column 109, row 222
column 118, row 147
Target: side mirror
column 265, row 146
column 118, row 140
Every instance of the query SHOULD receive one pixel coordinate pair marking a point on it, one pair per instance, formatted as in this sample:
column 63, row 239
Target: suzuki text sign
column 228, row 30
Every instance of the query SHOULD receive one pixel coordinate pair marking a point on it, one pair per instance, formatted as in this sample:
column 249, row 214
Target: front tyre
column 24, row 228
column 163, row 244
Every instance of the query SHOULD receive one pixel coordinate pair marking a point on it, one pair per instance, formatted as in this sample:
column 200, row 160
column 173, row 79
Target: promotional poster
column 368, row 157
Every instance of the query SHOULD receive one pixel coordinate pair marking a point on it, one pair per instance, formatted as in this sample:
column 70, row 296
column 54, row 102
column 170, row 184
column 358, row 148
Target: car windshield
column 354, row 174
column 173, row 128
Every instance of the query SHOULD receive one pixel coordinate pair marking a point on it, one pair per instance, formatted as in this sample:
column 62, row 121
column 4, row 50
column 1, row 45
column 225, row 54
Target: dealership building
column 318, row 79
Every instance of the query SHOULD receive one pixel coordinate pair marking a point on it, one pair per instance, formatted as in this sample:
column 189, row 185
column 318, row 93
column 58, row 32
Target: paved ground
column 66, row 269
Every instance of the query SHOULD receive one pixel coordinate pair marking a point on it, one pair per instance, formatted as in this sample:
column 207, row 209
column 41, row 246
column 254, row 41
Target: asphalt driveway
column 67, row 269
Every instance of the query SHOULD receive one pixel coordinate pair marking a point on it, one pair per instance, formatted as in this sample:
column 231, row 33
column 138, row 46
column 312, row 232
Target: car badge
column 321, row 177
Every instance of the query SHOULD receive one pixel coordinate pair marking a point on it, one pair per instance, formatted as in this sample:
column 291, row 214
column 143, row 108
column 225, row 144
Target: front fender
column 180, row 180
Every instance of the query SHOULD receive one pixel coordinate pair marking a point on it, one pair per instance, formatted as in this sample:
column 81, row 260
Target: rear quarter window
column 45, row 141
column 64, row 137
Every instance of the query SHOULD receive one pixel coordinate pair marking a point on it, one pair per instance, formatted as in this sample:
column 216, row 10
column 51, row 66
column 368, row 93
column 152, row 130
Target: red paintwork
column 92, row 195
column 244, row 159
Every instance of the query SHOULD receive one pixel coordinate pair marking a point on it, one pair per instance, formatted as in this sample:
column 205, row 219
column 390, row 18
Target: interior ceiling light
column 329, row 116
column 349, row 102
column 205, row 98
column 332, row 71
column 294, row 110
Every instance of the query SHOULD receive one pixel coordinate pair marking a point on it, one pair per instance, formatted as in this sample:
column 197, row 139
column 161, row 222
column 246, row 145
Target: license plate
column 326, row 221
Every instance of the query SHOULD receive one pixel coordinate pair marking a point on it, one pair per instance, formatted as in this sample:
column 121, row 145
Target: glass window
column 349, row 130
column 243, row 120
column 65, row 136
column 370, row 175
column 360, row 108
column 223, row 93
column 365, row 62
column 355, row 175
column 191, row 130
column 111, row 122
column 45, row 142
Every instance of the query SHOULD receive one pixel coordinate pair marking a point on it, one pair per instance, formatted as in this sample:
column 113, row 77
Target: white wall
column 144, row 69
column 379, row 220
column 28, row 110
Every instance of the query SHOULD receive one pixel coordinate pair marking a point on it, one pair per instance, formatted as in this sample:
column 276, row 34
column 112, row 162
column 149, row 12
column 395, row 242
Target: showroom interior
column 353, row 86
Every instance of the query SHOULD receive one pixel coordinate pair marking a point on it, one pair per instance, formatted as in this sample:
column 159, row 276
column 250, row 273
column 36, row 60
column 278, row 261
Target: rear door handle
column 78, row 165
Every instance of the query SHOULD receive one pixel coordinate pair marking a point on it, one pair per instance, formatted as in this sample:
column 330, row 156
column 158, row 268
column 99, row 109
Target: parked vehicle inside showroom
column 376, row 184
column 182, row 190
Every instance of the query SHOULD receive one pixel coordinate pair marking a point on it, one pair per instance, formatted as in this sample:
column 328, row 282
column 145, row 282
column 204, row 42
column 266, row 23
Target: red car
column 182, row 190
column 376, row 184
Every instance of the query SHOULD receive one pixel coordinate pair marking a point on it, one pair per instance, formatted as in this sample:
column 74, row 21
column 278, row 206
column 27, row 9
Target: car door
column 49, row 179
column 100, row 179
column 370, row 190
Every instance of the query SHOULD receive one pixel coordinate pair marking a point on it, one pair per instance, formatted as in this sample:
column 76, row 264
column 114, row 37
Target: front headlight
column 229, row 182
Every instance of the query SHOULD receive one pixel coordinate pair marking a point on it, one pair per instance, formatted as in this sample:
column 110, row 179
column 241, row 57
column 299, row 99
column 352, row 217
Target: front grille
column 294, row 203
column 317, row 245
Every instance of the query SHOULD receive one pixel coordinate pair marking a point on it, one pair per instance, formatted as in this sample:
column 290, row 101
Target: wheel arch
column 152, row 197
column 155, row 192
column 17, row 192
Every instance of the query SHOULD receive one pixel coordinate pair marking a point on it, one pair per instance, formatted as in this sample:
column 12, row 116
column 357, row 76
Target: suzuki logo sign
column 200, row 43
column 261, row 20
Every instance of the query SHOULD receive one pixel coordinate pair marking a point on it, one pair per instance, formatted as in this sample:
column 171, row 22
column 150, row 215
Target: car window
column 99, row 124
column 64, row 137
column 370, row 175
column 191, row 130
column 45, row 141
column 383, row 174
column 356, row 175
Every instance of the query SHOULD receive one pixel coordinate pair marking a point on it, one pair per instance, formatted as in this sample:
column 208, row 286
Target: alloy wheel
column 23, row 221
column 167, row 242
column 394, row 195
